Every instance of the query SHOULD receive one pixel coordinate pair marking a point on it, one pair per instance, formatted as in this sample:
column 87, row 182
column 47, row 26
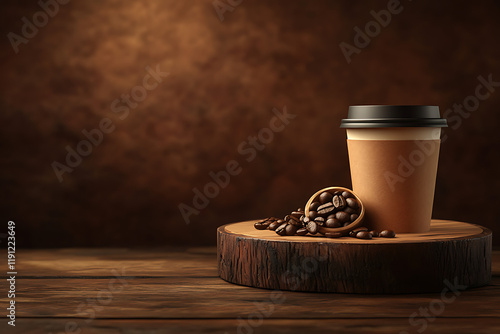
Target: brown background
column 226, row 77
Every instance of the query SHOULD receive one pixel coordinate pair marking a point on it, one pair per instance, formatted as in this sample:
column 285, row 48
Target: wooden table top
column 178, row 291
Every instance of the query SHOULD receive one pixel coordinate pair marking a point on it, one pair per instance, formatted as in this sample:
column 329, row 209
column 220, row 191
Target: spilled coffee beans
column 330, row 209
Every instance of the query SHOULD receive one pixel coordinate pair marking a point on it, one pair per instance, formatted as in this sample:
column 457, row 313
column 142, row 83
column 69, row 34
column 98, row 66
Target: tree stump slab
column 451, row 255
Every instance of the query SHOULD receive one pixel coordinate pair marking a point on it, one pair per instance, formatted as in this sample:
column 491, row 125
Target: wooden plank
column 78, row 262
column 257, row 324
column 177, row 297
column 88, row 262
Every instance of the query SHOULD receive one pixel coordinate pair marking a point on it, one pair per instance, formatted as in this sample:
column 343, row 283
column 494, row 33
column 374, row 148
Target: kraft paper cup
column 393, row 157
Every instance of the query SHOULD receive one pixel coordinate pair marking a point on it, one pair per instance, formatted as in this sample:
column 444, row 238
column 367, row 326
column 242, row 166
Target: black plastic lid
column 380, row 116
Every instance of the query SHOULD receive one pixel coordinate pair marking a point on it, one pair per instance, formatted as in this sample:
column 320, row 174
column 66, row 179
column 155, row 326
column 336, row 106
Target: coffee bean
column 350, row 210
column 333, row 234
column 326, row 208
column 301, row 231
column 353, row 234
column 338, row 202
column 274, row 225
column 312, row 215
column 363, row 235
column 314, row 206
column 301, row 218
column 374, row 233
column 325, row 197
column 281, row 230
column 297, row 223
column 260, row 226
column 332, row 216
column 347, row 194
column 360, row 229
column 387, row 234
column 320, row 221
column 347, row 224
column 306, row 220
column 296, row 214
column 290, row 229
column 312, row 227
column 354, row 216
column 287, row 218
column 262, row 221
column 352, row 203
column 300, row 210
column 294, row 218
column 342, row 216
column 280, row 221
column 333, row 223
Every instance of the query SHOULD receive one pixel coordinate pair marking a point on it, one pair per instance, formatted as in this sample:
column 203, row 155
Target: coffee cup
column 393, row 157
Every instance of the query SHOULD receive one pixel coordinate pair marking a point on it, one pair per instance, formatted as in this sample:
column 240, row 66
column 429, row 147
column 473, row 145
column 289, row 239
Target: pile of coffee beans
column 330, row 209
column 290, row 226
column 364, row 233
column 333, row 209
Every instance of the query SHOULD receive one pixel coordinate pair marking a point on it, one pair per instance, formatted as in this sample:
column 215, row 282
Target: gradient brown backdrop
column 225, row 79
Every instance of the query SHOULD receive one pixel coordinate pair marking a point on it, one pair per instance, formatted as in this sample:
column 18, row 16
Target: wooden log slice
column 450, row 254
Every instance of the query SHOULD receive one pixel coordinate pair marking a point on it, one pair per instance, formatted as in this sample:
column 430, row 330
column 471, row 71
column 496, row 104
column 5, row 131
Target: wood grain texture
column 98, row 262
column 410, row 263
column 440, row 230
column 264, row 326
column 181, row 303
column 177, row 297
column 79, row 262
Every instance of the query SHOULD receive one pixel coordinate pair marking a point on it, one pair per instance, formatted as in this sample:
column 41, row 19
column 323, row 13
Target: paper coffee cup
column 393, row 157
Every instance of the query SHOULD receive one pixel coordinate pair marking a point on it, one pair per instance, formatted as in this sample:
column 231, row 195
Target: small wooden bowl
column 344, row 229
